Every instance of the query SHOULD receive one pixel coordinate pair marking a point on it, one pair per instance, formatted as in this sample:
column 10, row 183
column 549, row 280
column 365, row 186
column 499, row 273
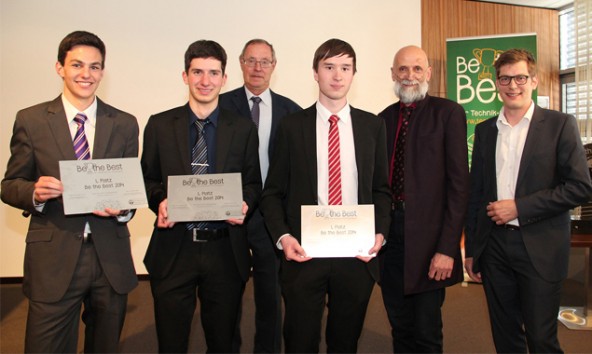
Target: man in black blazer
column 257, row 62
column 73, row 259
column 298, row 175
column 528, row 170
column 214, row 258
column 423, row 255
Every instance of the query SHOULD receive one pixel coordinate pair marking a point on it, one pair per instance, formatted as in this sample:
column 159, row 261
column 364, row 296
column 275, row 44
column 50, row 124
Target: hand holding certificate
column 338, row 230
column 91, row 185
column 206, row 197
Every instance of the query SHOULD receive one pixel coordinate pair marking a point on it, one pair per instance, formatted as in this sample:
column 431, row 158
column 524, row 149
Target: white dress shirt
column 349, row 169
column 508, row 154
column 264, row 130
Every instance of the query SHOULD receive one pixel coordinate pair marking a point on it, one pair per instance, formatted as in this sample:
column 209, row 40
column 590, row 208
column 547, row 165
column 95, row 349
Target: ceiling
column 551, row 4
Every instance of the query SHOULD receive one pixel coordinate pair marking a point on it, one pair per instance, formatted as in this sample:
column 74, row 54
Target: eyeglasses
column 252, row 62
column 518, row 79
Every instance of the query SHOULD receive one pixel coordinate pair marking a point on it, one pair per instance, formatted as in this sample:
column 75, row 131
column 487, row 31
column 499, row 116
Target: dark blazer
column 436, row 187
column 553, row 178
column 41, row 138
column 292, row 178
column 166, row 153
column 236, row 101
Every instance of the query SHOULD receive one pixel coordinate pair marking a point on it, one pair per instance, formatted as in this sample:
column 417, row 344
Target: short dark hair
column 513, row 56
column 333, row 48
column 80, row 38
column 205, row 49
column 258, row 41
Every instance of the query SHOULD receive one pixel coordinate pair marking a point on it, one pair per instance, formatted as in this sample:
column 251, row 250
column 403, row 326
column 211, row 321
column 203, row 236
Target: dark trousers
column 53, row 327
column 522, row 306
column 266, row 286
column 210, row 268
column 416, row 319
column 344, row 285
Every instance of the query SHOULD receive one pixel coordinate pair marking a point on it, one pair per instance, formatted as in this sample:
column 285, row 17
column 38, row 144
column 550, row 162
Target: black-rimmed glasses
column 518, row 79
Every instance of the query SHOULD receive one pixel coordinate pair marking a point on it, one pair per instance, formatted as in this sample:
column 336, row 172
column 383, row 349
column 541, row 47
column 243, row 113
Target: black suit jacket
column 292, row 178
column 166, row 153
column 436, row 187
column 41, row 138
column 553, row 178
column 236, row 101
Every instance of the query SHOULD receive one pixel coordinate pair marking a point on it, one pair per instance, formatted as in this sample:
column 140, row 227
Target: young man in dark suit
column 255, row 100
column 426, row 141
column 299, row 175
column 212, row 257
column 74, row 259
column 528, row 170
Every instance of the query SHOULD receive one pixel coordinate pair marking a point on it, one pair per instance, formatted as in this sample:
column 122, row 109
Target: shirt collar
column 213, row 117
column 501, row 119
column 71, row 111
column 325, row 114
column 265, row 95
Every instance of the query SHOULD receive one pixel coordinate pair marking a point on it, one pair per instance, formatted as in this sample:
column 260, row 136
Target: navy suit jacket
column 41, row 138
column 166, row 153
column 553, row 178
column 292, row 178
column 236, row 101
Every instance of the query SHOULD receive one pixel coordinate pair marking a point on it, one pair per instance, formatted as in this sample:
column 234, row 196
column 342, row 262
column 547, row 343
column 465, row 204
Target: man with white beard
column 429, row 175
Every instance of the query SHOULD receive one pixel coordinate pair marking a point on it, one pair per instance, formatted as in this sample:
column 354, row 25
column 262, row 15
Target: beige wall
column 145, row 45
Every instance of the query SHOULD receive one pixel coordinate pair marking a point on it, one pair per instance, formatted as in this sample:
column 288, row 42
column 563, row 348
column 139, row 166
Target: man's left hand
column 239, row 221
column 441, row 267
column 378, row 241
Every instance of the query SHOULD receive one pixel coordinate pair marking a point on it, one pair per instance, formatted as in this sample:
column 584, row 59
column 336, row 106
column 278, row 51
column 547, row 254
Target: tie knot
column 201, row 123
column 80, row 118
column 256, row 99
column 333, row 119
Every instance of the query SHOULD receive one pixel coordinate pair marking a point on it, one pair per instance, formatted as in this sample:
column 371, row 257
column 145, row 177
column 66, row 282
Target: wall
column 442, row 19
column 145, row 45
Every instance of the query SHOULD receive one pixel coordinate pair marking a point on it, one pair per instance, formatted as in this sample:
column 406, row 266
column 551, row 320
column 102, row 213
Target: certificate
column 337, row 230
column 206, row 197
column 91, row 185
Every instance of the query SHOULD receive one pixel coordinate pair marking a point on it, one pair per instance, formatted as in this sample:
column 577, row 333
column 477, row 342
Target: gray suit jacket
column 553, row 178
column 41, row 138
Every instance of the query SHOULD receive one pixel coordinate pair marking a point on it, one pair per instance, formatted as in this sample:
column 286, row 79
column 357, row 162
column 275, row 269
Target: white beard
column 410, row 95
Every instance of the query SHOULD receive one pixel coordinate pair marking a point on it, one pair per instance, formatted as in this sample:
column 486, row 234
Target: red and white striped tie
column 334, row 163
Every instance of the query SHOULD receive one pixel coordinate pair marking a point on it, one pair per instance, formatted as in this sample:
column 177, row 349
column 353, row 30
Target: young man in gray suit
column 74, row 259
column 257, row 101
column 528, row 170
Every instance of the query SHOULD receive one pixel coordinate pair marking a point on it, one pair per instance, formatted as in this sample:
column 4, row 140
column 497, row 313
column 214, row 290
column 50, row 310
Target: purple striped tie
column 81, row 148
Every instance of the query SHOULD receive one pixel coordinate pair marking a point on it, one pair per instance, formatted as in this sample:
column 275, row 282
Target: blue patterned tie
column 81, row 148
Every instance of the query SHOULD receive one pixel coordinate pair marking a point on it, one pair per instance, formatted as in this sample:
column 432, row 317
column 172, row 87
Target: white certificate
column 91, row 185
column 206, row 197
column 337, row 230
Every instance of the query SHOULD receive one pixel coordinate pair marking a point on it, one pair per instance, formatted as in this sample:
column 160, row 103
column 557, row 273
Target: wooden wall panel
column 442, row 19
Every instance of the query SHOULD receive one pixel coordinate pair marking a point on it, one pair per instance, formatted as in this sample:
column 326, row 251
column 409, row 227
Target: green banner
column 470, row 75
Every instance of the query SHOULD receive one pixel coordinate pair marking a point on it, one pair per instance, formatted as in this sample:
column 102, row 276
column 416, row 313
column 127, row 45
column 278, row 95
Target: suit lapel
column 359, row 139
column 103, row 131
column 240, row 101
column 180, row 125
column 224, row 136
column 309, row 143
column 531, row 143
column 58, row 124
column 490, row 143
